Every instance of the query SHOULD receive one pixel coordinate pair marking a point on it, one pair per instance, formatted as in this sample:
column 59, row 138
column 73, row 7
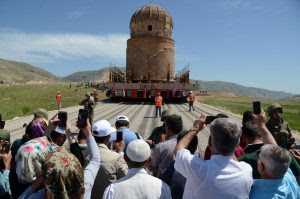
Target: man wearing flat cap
column 138, row 183
column 159, row 134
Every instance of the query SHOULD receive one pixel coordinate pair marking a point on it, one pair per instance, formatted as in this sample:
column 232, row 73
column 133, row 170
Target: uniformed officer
column 89, row 104
column 279, row 128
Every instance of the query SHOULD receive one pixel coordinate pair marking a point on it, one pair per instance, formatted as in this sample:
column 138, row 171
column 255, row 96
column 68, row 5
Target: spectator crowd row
column 258, row 160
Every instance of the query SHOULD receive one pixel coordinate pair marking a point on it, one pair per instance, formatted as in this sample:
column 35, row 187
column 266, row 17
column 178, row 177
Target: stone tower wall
column 150, row 50
column 150, row 58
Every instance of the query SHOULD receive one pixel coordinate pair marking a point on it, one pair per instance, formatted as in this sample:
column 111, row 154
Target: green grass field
column 21, row 100
column 238, row 105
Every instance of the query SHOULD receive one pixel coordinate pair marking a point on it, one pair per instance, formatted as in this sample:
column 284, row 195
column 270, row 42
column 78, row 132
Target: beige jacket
column 113, row 167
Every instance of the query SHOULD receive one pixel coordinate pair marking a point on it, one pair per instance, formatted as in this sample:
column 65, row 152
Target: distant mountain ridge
column 239, row 90
column 101, row 75
column 18, row 72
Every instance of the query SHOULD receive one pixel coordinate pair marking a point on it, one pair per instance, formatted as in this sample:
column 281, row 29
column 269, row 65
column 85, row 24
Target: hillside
column 294, row 98
column 101, row 75
column 18, row 72
column 239, row 90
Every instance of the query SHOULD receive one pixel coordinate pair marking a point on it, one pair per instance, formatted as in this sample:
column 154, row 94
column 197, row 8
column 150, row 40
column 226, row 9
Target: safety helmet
column 273, row 107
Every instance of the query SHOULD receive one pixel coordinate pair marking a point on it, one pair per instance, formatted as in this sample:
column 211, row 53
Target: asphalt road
column 141, row 118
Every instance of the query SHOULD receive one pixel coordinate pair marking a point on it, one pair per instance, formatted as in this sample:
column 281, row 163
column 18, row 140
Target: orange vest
column 191, row 97
column 58, row 97
column 158, row 101
column 96, row 96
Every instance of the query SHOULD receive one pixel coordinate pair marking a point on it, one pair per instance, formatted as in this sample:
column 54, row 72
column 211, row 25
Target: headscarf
column 63, row 174
column 39, row 126
column 31, row 155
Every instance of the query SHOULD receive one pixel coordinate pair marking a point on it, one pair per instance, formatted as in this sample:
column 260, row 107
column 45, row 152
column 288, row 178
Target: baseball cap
column 138, row 151
column 102, row 128
column 122, row 118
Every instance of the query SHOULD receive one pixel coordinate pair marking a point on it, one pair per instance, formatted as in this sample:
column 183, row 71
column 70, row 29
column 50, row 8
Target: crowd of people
column 258, row 160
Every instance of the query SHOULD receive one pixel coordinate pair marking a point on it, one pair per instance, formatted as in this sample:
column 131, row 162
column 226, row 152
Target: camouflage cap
column 273, row 107
column 165, row 113
column 4, row 135
column 40, row 112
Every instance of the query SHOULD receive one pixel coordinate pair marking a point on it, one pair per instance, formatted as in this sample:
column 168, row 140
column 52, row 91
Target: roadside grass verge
column 22, row 100
column 291, row 108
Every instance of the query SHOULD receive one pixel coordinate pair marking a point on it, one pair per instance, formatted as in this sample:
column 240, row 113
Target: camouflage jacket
column 281, row 131
column 88, row 104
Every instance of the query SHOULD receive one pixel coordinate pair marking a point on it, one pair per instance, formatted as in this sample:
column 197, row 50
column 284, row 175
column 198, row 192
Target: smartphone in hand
column 119, row 136
column 82, row 118
column 210, row 119
column 256, row 107
column 63, row 117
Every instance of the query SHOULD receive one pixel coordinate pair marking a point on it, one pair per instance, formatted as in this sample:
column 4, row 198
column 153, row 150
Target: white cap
column 60, row 131
column 138, row 151
column 122, row 118
column 102, row 128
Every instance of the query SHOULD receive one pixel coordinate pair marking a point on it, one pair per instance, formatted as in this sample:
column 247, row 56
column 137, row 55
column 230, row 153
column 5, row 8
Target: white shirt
column 136, row 185
column 219, row 177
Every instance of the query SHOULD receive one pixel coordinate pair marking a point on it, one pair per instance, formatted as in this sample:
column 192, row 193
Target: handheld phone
column 63, row 117
column 6, row 147
column 119, row 136
column 2, row 124
column 256, row 107
column 82, row 118
column 210, row 119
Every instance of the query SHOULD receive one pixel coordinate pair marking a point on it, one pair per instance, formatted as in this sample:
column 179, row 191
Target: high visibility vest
column 58, row 97
column 158, row 101
column 191, row 97
column 95, row 95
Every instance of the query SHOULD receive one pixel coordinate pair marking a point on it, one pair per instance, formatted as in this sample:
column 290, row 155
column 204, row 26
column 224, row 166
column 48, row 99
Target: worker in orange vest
column 191, row 99
column 58, row 100
column 158, row 104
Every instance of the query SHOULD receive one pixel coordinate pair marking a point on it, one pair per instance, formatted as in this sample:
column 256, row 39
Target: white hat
column 60, row 131
column 122, row 118
column 102, row 128
column 138, row 151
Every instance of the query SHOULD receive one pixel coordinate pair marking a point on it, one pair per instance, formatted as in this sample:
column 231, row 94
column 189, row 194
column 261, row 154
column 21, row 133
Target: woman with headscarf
column 63, row 176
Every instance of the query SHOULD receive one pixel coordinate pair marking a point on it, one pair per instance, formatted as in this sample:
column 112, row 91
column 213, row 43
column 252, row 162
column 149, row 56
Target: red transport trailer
column 171, row 92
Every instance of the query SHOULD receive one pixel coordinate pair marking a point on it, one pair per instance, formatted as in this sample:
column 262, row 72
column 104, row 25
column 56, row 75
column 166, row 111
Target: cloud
column 76, row 14
column 242, row 4
column 49, row 47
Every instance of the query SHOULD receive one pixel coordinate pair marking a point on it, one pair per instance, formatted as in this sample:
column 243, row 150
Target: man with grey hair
column 277, row 180
column 221, row 176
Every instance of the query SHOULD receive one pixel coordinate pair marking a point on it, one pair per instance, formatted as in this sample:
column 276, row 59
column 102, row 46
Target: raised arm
column 90, row 172
column 266, row 135
column 185, row 141
column 53, row 122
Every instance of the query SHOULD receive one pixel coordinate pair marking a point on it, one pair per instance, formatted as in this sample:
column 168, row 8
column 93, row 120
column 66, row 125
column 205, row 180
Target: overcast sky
column 250, row 42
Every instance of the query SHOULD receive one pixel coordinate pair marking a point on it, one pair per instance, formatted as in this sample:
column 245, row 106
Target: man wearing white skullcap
column 113, row 165
column 138, row 183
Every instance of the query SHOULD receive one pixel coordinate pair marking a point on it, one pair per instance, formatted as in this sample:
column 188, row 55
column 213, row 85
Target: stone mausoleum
column 150, row 49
